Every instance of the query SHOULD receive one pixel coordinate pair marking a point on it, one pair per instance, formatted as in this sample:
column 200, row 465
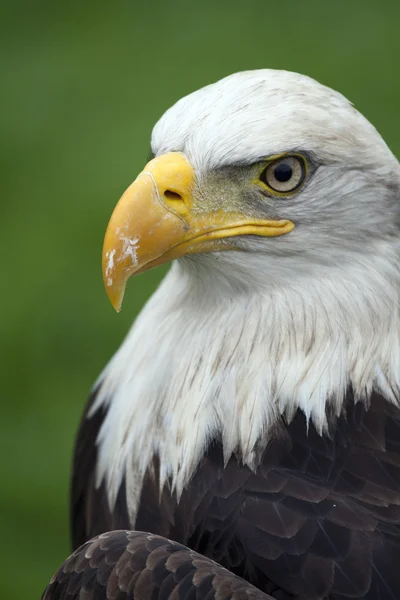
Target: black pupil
column 283, row 172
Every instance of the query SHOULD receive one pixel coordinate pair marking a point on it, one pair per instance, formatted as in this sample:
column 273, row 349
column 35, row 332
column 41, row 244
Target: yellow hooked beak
column 155, row 222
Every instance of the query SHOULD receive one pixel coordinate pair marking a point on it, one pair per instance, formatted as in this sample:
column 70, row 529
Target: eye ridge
column 284, row 175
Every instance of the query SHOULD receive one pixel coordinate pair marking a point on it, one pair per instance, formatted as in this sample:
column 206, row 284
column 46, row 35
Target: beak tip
column 115, row 294
column 116, row 305
column 117, row 302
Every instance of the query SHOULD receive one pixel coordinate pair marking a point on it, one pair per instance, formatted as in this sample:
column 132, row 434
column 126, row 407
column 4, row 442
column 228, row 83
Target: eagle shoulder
column 90, row 513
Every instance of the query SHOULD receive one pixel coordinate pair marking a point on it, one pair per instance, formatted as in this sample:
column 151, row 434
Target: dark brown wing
column 320, row 517
column 141, row 566
column 90, row 513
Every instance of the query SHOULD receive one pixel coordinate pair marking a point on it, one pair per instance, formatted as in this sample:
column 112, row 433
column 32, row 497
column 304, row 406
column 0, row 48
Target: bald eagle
column 244, row 441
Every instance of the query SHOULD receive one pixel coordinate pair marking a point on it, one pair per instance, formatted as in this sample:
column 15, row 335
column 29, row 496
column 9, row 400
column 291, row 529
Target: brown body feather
column 318, row 519
column 143, row 566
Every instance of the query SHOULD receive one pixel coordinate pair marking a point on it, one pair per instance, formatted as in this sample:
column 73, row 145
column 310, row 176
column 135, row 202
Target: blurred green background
column 82, row 85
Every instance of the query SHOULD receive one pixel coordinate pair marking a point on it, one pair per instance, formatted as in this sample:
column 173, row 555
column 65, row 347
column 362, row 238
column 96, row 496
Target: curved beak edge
column 154, row 223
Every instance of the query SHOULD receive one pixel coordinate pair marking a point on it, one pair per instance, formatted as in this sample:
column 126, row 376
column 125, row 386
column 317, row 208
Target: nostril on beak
column 170, row 195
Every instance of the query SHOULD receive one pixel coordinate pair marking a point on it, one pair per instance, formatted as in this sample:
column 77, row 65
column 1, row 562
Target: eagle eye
column 284, row 175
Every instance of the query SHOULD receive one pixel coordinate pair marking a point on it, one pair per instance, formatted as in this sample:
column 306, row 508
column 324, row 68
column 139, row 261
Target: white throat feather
column 212, row 354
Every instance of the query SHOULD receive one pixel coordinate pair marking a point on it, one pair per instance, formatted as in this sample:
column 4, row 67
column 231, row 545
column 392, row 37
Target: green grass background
column 81, row 86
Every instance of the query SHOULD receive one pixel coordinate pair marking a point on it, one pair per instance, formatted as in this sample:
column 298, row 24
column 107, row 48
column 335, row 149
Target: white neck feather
column 203, row 359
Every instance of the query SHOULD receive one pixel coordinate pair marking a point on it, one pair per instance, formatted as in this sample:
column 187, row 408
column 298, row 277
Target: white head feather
column 232, row 340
